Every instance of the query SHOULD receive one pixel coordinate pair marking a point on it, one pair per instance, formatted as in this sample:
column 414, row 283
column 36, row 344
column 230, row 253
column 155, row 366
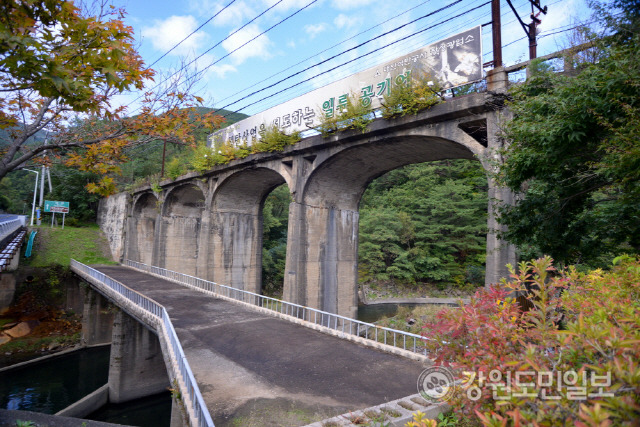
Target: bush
column 352, row 115
column 578, row 347
column 415, row 95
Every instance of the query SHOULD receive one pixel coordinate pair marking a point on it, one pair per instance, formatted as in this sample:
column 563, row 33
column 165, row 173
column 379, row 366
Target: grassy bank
column 58, row 246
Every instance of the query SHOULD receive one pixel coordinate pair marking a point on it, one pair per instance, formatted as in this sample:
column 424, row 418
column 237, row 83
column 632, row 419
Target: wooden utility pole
column 530, row 29
column 497, row 33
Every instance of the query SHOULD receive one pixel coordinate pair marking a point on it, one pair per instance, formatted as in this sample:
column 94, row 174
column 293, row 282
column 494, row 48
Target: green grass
column 58, row 246
column 31, row 344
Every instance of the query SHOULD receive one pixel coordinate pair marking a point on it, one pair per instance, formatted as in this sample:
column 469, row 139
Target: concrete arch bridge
column 210, row 225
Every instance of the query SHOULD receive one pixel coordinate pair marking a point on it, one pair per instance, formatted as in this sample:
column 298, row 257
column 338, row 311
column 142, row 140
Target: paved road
column 258, row 370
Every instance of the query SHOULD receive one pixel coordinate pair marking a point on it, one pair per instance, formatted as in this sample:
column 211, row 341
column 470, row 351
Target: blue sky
column 323, row 29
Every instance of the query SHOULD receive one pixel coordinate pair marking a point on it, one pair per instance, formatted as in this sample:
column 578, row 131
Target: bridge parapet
column 154, row 316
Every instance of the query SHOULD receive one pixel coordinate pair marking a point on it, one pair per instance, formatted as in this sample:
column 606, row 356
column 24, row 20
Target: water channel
column 53, row 384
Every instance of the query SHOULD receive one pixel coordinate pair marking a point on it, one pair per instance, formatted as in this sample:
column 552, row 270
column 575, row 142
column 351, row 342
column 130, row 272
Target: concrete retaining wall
column 87, row 404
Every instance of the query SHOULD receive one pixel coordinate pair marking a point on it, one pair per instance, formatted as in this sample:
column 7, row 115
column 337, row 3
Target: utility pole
column 530, row 29
column 497, row 33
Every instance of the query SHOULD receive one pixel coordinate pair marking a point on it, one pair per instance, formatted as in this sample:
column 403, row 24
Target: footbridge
column 230, row 354
column 12, row 233
column 209, row 225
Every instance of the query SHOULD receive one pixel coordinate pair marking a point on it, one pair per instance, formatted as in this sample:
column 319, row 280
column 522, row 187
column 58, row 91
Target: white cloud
column 315, row 29
column 350, row 4
column 256, row 48
column 343, row 21
column 167, row 33
column 203, row 65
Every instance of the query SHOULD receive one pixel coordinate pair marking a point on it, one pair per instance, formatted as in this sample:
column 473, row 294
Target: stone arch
column 142, row 229
column 236, row 233
column 322, row 270
column 180, row 229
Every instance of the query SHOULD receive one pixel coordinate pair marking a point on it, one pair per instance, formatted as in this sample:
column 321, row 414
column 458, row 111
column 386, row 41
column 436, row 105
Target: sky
column 299, row 39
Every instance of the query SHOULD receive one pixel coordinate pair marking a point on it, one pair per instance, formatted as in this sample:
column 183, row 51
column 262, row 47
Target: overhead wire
column 211, row 48
column 323, row 51
column 192, row 33
column 359, row 57
column 343, row 52
column 416, row 43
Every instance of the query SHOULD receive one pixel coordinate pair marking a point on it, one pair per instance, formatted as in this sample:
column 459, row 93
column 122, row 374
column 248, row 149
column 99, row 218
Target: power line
column 192, row 33
column 323, row 51
column 261, row 34
column 211, row 48
column 359, row 57
column 413, row 46
column 342, row 53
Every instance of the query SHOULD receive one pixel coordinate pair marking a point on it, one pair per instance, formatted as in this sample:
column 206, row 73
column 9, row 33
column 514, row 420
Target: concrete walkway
column 258, row 370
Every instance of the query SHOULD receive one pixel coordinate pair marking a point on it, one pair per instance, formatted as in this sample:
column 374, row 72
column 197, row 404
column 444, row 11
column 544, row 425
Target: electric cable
column 192, row 33
column 359, row 57
column 323, row 51
column 341, row 53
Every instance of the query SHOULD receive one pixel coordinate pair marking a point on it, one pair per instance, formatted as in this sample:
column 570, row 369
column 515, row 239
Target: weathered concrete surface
column 252, row 365
column 7, row 290
column 136, row 366
column 97, row 319
column 88, row 404
column 210, row 225
column 112, row 215
column 11, row 418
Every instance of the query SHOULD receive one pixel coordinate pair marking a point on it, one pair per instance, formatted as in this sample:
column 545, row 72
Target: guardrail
column 401, row 339
column 190, row 389
column 8, row 227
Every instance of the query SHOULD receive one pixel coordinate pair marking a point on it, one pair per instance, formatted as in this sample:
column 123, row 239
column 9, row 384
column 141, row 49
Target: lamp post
column 35, row 191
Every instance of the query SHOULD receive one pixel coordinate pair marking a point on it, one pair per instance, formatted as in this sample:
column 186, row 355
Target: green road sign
column 61, row 207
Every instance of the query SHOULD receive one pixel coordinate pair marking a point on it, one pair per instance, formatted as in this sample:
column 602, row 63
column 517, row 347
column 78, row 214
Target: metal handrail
column 184, row 370
column 405, row 340
column 8, row 227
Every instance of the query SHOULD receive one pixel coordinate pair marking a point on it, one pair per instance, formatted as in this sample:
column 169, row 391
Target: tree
column 574, row 156
column 424, row 223
column 61, row 65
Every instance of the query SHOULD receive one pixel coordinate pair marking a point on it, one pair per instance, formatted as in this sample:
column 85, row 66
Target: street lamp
column 35, row 191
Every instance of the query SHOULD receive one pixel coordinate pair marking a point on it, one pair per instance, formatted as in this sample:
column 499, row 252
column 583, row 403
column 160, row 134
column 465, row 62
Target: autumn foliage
column 60, row 69
column 572, row 359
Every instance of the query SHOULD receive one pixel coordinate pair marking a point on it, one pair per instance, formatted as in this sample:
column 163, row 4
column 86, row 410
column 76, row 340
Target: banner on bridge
column 454, row 61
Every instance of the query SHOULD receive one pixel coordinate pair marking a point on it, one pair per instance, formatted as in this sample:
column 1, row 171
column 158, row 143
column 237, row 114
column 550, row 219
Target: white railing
column 191, row 390
column 7, row 227
column 394, row 337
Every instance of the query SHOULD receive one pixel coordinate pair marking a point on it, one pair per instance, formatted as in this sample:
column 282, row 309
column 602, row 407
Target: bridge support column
column 322, row 254
column 97, row 319
column 499, row 252
column 238, row 253
column 137, row 367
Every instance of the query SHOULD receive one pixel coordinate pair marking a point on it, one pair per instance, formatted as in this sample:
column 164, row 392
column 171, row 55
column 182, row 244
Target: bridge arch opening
column 422, row 231
column 327, row 277
column 180, row 229
column 236, row 249
column 143, row 228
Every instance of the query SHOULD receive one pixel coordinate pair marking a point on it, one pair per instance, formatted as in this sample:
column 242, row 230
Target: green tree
column 574, row 156
column 424, row 223
column 275, row 220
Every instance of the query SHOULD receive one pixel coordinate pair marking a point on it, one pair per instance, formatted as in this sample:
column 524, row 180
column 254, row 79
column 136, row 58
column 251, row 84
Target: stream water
column 53, row 384
column 374, row 312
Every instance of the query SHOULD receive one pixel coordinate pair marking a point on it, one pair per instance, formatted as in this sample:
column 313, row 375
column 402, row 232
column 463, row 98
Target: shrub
column 352, row 115
column 411, row 96
column 578, row 347
column 274, row 139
